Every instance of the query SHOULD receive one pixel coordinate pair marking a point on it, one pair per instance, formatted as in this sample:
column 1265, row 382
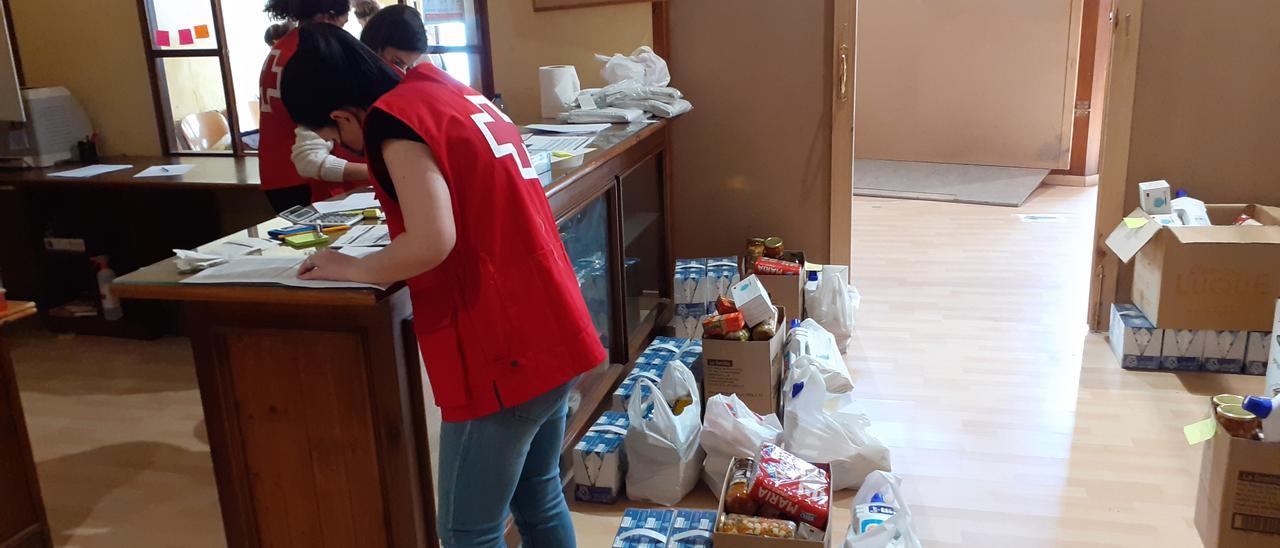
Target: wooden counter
column 210, row 172
column 22, row 517
column 313, row 397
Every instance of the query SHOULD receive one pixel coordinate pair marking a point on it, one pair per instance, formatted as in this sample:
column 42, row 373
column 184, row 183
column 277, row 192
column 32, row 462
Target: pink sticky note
column 162, row 38
column 185, row 38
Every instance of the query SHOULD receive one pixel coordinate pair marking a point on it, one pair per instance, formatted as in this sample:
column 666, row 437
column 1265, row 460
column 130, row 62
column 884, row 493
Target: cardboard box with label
column 732, row 540
column 1224, row 351
column 1182, row 350
column 598, row 461
column 1134, row 340
column 752, row 370
column 1222, row 277
column 786, row 291
column 1257, row 354
column 1238, row 501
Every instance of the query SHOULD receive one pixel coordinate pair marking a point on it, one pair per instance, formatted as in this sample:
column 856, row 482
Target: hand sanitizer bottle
column 1268, row 410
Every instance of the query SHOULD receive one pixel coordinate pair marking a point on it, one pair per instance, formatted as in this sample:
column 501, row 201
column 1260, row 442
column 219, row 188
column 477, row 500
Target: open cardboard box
column 1221, row 277
column 752, row 369
column 733, row 540
column 786, row 291
column 1238, row 501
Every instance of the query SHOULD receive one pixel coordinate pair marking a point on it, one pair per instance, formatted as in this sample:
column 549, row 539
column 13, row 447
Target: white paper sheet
column 557, row 143
column 165, row 171
column 569, row 128
column 353, row 202
column 358, row 251
column 266, row 270
column 365, row 236
column 91, row 171
column 237, row 246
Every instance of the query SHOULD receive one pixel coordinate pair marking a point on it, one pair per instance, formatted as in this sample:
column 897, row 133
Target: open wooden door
column 844, row 25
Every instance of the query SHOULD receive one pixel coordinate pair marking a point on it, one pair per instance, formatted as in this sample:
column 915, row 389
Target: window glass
column 247, row 48
column 183, row 24
column 197, row 105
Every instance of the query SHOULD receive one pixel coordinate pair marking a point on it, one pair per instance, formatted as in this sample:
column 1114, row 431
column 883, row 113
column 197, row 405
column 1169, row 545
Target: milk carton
column 691, row 528
column 644, row 528
column 1136, row 342
column 690, row 281
column 598, row 460
column 1224, row 351
column 687, row 320
column 1258, row 353
column 648, row 366
column 722, row 273
column 1182, row 350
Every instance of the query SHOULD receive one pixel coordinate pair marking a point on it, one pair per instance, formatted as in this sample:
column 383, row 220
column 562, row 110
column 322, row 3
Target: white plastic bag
column 822, row 427
column 898, row 531
column 810, row 339
column 834, row 304
column 643, row 65
column 731, row 429
column 663, row 451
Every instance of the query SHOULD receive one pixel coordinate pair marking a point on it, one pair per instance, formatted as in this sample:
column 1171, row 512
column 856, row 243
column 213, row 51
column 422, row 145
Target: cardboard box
column 1224, row 351
column 598, row 460
column 1258, row 353
column 1238, row 503
column 752, row 370
column 1154, row 197
column 730, row 540
column 1136, row 342
column 1205, row 277
column 785, row 291
column 1182, row 350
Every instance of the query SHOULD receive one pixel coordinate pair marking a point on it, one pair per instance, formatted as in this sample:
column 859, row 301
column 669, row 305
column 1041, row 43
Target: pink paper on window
column 162, row 38
column 185, row 37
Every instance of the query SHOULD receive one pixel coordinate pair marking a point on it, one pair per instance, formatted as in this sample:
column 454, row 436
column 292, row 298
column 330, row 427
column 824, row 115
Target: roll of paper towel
column 560, row 86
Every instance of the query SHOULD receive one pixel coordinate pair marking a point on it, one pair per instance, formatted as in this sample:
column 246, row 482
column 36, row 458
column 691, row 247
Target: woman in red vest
column 503, row 329
column 320, row 172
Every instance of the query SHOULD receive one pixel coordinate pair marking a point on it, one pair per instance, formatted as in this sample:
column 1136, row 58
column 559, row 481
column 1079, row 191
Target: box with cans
column 599, row 462
column 1141, row 345
column 665, row 528
column 782, row 272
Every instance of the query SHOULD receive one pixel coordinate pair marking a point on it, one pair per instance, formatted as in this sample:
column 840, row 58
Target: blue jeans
column 507, row 461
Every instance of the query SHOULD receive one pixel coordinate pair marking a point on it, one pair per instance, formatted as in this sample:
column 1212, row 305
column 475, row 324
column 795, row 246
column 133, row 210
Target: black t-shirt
column 379, row 127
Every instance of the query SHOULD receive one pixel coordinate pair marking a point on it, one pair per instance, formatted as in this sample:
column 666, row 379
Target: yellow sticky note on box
column 1200, row 432
column 1136, row 222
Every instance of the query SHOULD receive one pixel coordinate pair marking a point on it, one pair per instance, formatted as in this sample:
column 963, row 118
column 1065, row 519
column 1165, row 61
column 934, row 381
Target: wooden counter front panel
column 22, row 518
column 312, row 424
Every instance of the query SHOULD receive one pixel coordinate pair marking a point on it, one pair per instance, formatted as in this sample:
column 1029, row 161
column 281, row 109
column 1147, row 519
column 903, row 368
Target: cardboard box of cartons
column 1136, row 342
column 1238, row 503
column 1224, row 351
column 598, row 461
column 1258, row 353
column 731, row 540
column 1204, row 277
column 752, row 369
column 1182, row 350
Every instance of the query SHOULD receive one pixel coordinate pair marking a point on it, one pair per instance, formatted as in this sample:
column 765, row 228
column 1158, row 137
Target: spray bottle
column 1267, row 409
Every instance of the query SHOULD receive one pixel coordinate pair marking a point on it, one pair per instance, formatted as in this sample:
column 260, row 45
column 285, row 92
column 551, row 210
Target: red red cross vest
column 275, row 131
column 501, row 320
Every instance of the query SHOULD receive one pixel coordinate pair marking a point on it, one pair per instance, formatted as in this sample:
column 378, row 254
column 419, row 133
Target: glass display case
column 586, row 240
column 644, row 241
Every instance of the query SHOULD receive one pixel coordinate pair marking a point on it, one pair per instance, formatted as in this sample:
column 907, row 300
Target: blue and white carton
column 599, row 461
column 722, row 273
column 691, row 529
column 1224, row 351
column 1257, row 353
column 1137, row 342
column 687, row 320
column 647, row 366
column 691, row 281
column 1182, row 350
column 644, row 528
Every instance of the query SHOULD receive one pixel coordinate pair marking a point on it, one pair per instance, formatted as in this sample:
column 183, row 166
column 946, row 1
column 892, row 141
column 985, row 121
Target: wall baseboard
column 1071, row 180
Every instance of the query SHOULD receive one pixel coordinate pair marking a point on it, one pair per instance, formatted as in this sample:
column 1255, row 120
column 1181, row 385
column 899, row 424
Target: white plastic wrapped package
column 663, row 451
column 607, row 115
column 823, row 427
column 731, row 429
column 834, row 303
column 643, row 65
column 810, row 339
column 881, row 517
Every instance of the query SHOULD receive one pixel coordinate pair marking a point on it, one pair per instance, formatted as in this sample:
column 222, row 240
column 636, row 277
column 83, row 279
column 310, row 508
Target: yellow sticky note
column 1200, row 432
column 1136, row 222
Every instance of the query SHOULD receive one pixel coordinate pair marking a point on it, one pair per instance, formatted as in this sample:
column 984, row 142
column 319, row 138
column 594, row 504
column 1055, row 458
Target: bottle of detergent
column 1189, row 210
column 1267, row 409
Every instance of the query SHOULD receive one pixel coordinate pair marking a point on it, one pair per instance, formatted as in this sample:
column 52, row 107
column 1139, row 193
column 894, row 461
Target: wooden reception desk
column 313, row 397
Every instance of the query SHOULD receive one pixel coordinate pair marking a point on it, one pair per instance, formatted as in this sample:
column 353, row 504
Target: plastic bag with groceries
column 822, row 427
column 731, row 429
column 881, row 518
column 834, row 303
column 812, row 340
column 662, row 445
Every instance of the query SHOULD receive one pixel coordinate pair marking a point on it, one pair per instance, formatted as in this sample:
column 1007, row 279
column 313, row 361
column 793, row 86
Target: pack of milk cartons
column 599, row 463
column 698, row 282
column 1136, row 342
column 652, row 365
column 1182, row 350
column 722, row 273
column 665, row 528
column 1224, row 351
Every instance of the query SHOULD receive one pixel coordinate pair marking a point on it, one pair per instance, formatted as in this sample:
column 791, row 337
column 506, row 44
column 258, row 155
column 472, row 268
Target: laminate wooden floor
column 1012, row 426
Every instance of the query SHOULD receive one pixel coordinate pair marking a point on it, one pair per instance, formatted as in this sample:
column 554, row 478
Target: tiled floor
column 1012, row 426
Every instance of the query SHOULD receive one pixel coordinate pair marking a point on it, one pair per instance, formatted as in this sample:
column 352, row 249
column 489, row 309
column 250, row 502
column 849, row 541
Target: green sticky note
column 1136, row 222
column 1201, row 431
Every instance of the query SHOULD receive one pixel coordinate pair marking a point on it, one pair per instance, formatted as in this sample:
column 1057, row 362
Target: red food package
column 776, row 266
column 725, row 305
column 718, row 326
column 788, row 486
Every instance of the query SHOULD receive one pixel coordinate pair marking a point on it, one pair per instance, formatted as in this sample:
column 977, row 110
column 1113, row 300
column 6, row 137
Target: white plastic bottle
column 110, row 303
column 1267, row 409
column 1190, row 210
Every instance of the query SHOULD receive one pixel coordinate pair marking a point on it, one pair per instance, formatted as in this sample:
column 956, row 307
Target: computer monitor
column 55, row 123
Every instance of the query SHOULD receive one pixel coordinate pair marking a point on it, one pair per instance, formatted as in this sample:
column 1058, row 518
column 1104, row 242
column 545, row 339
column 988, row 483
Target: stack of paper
column 265, row 270
column 365, row 236
column 90, row 171
column 556, row 143
column 351, row 202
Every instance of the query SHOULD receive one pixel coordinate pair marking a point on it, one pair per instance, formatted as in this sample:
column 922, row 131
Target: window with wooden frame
column 205, row 57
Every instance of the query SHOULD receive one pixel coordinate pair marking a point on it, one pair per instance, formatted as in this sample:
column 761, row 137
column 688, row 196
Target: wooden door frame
column 1113, row 170
column 843, row 41
column 1092, row 65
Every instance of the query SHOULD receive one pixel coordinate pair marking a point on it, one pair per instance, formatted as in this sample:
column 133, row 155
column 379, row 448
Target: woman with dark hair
column 365, row 9
column 276, row 32
column 397, row 35
column 502, row 326
column 298, row 168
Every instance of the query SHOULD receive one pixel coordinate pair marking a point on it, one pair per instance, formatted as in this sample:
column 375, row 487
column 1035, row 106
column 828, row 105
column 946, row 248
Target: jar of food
column 1225, row 399
column 755, row 250
column 1237, row 422
column 737, row 499
column 773, row 247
